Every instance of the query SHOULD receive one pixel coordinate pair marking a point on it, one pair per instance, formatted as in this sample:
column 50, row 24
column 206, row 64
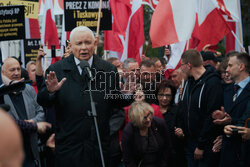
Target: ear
column 242, row 67
column 96, row 41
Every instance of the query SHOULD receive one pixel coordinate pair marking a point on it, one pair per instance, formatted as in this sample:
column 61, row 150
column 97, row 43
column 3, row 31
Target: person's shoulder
column 248, row 86
column 107, row 66
column 61, row 63
column 159, row 121
column 129, row 128
column 213, row 79
column 28, row 87
column 29, row 90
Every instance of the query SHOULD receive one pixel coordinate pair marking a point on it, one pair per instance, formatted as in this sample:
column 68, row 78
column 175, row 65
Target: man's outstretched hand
column 52, row 83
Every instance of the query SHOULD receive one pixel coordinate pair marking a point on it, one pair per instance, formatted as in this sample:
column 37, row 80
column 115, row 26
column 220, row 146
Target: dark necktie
column 236, row 88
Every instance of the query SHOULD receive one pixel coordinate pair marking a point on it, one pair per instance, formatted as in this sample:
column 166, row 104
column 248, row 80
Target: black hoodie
column 201, row 98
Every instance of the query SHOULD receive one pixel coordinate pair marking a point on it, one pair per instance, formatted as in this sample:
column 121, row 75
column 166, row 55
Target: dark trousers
column 209, row 159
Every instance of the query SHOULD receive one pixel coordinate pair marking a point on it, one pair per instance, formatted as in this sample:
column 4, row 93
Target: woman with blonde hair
column 145, row 139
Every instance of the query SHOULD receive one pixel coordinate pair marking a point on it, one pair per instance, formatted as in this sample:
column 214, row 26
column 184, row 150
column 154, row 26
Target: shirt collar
column 90, row 61
column 244, row 82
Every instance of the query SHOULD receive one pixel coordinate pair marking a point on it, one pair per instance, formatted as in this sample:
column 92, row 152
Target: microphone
column 85, row 66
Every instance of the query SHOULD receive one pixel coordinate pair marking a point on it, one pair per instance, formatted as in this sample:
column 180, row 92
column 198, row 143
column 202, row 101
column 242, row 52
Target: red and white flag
column 127, row 35
column 112, row 41
column 212, row 25
column 231, row 10
column 172, row 21
column 121, row 11
column 49, row 36
column 32, row 29
column 134, row 39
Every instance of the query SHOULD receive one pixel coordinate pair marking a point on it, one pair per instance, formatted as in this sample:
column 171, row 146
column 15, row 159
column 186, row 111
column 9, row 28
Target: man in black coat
column 203, row 94
column 75, row 139
column 236, row 103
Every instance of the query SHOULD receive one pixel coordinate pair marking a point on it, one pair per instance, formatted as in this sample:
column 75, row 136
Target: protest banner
column 31, row 7
column 85, row 13
column 12, row 25
column 31, row 47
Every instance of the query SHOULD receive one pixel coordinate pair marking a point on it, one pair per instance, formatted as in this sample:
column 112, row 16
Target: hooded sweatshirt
column 201, row 98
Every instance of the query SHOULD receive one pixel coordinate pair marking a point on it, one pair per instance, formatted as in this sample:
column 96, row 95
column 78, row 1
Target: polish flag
column 212, row 25
column 49, row 35
column 172, row 21
column 112, row 41
column 41, row 7
column 127, row 35
column 134, row 39
column 32, row 30
column 231, row 10
column 174, row 62
column 121, row 11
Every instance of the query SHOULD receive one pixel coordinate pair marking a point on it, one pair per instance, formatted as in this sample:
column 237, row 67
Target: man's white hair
column 30, row 63
column 81, row 29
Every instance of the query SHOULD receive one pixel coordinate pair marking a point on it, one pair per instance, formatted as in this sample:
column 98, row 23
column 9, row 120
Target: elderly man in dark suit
column 66, row 88
column 23, row 106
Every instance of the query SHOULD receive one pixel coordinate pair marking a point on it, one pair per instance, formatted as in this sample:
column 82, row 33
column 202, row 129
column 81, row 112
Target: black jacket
column 233, row 147
column 201, row 98
column 76, row 141
column 132, row 143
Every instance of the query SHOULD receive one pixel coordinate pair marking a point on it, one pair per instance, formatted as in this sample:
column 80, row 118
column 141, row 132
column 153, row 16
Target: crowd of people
column 197, row 116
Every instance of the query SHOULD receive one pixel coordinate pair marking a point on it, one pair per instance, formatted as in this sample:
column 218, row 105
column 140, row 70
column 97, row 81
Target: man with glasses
column 203, row 94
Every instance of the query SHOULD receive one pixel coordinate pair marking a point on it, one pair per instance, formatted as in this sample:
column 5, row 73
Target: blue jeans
column 209, row 159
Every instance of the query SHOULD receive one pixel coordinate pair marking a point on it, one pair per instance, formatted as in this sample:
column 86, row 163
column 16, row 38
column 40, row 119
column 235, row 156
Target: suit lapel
column 70, row 68
column 97, row 65
column 8, row 101
column 244, row 94
column 27, row 102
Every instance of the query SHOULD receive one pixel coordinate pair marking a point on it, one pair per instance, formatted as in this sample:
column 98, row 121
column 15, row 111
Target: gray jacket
column 34, row 111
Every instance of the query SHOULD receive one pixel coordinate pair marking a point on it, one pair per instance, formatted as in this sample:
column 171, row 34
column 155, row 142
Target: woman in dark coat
column 145, row 139
column 173, row 118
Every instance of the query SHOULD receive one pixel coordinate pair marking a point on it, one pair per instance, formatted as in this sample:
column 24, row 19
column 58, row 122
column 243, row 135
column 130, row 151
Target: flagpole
column 237, row 39
column 98, row 23
column 45, row 59
column 187, row 45
column 146, row 50
column 239, row 23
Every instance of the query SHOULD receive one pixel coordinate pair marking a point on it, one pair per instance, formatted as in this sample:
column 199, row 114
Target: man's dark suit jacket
column 76, row 142
column 231, row 146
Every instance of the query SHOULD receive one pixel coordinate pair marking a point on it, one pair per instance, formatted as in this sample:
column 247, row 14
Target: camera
column 235, row 131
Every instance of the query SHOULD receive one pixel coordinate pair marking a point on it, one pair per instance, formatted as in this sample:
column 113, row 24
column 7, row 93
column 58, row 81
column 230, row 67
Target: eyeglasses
column 149, row 115
column 166, row 95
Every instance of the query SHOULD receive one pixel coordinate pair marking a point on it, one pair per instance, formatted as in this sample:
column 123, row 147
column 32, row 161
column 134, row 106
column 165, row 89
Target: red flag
column 49, row 30
column 212, row 25
column 32, row 30
column 230, row 40
column 112, row 41
column 172, row 21
column 134, row 38
column 127, row 35
column 121, row 10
